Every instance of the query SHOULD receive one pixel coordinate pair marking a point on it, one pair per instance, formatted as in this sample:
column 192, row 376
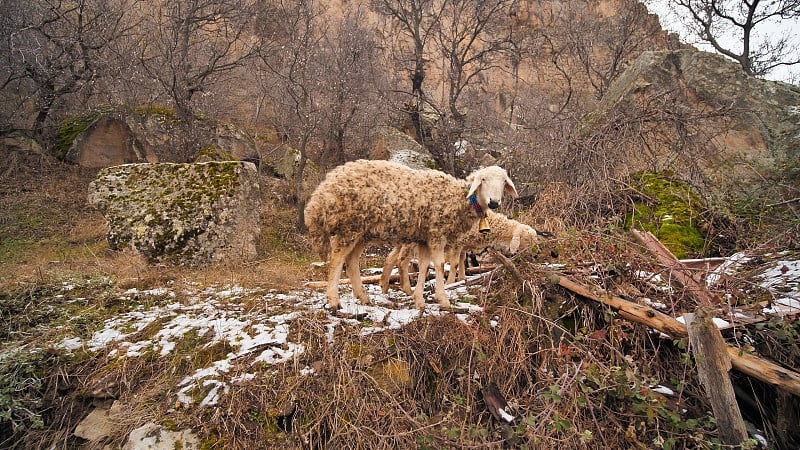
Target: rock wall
column 187, row 214
column 758, row 122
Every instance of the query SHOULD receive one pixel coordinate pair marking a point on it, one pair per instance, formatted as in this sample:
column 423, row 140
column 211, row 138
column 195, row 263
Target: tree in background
column 292, row 35
column 471, row 38
column 414, row 22
column 51, row 50
column 190, row 45
column 350, row 95
column 605, row 46
column 715, row 21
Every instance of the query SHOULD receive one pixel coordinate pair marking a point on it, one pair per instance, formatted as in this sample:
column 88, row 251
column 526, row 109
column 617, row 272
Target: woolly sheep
column 363, row 202
column 507, row 235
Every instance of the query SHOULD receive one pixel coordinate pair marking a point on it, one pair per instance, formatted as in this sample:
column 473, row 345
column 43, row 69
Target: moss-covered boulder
column 671, row 211
column 189, row 214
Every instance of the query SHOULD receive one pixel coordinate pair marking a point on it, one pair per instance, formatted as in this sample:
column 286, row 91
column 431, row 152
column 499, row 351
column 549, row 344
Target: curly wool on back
column 382, row 201
column 364, row 201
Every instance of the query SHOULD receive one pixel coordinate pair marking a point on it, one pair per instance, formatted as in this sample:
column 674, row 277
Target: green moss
column 671, row 211
column 70, row 128
column 213, row 152
column 154, row 191
column 155, row 110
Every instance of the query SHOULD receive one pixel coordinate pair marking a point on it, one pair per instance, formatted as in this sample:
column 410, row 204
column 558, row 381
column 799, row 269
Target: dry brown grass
column 574, row 374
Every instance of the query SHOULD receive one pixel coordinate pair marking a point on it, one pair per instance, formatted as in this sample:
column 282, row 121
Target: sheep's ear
column 474, row 185
column 510, row 188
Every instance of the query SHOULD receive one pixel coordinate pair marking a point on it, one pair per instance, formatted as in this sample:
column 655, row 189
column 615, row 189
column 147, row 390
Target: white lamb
column 364, row 202
column 507, row 235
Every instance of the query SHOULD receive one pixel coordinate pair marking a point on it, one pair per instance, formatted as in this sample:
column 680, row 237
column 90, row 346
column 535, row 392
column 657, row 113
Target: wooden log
column 628, row 310
column 713, row 364
column 678, row 271
column 372, row 279
column 751, row 365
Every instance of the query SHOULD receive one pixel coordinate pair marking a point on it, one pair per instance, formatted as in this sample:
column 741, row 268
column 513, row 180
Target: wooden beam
column 678, row 271
column 752, row 365
column 713, row 364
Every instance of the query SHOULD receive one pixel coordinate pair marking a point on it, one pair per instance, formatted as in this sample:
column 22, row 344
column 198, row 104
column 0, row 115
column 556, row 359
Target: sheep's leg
column 424, row 258
column 339, row 253
column 405, row 261
column 354, row 273
column 388, row 265
column 462, row 263
column 437, row 255
column 452, row 258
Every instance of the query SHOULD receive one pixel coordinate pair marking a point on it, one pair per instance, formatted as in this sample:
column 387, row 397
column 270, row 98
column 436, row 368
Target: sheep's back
column 380, row 200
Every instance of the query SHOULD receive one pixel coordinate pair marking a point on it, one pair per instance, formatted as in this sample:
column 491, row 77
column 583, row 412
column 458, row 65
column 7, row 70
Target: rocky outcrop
column 188, row 214
column 109, row 141
column 394, row 145
column 119, row 136
column 153, row 437
column 749, row 120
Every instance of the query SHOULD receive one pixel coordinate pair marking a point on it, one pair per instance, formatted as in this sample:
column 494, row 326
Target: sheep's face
column 524, row 237
column 489, row 184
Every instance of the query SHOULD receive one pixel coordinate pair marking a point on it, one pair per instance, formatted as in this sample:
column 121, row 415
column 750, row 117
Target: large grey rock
column 187, row 214
column 750, row 121
column 152, row 437
column 394, row 145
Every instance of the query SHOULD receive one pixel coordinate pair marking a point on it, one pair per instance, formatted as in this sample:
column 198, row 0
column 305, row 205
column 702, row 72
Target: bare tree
column 414, row 22
column 714, row 20
column 605, row 45
column 51, row 49
column 191, row 45
column 471, row 37
column 291, row 34
column 350, row 89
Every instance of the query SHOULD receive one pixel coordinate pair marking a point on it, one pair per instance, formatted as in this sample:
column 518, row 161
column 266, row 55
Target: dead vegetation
column 570, row 372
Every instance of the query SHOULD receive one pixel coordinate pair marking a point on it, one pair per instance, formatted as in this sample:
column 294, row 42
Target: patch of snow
column 728, row 267
column 70, row 343
column 213, row 314
column 654, row 305
column 720, row 323
column 505, row 416
column 663, row 390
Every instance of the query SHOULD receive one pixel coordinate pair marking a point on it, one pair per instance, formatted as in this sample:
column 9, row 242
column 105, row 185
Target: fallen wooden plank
column 628, row 310
column 372, row 279
column 713, row 364
column 678, row 271
column 752, row 365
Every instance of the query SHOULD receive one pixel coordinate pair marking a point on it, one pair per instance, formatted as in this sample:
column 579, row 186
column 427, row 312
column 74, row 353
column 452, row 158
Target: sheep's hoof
column 334, row 306
column 447, row 307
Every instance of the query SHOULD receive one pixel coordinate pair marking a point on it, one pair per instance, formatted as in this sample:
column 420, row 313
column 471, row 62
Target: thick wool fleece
column 506, row 235
column 381, row 201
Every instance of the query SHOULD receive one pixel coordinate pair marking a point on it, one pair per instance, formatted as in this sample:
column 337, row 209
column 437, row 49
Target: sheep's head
column 524, row 237
column 488, row 185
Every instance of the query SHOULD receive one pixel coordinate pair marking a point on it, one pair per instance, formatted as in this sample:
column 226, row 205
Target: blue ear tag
column 473, row 201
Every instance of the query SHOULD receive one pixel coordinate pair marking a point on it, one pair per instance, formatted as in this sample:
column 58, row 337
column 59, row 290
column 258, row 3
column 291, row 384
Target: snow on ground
column 783, row 280
column 217, row 314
